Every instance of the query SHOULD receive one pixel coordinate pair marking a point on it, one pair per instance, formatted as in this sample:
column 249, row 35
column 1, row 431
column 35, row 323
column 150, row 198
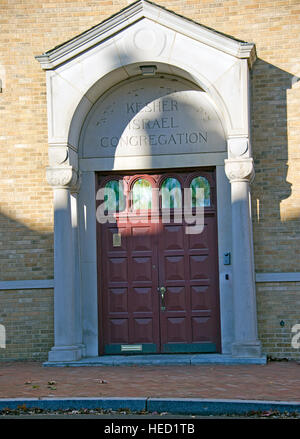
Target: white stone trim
column 157, row 162
column 225, row 271
column 277, row 277
column 88, row 262
column 26, row 284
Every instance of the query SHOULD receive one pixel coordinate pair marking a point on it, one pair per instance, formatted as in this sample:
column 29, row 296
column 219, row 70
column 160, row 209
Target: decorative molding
column 238, row 146
column 62, row 177
column 247, row 50
column 135, row 12
column 26, row 284
column 145, row 39
column 277, row 277
column 58, row 155
column 239, row 169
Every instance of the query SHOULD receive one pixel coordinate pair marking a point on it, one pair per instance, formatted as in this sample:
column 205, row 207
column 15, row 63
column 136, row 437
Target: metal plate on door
column 117, row 241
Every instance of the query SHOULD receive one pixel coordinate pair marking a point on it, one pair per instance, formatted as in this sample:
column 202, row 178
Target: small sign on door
column 117, row 241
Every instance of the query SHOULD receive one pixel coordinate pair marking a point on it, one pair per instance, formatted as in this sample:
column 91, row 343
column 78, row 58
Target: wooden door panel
column 174, row 268
column 141, row 239
column 176, row 299
column 143, row 330
column 129, row 288
column 199, row 267
column 141, row 269
column 142, row 298
column 176, row 330
column 117, row 270
column 199, row 241
column 118, row 300
column 200, row 297
column 201, row 329
column 118, row 330
column 137, row 257
column 173, row 238
column 189, row 273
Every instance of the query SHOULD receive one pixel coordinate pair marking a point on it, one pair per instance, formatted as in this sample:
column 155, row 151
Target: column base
column 245, row 350
column 65, row 353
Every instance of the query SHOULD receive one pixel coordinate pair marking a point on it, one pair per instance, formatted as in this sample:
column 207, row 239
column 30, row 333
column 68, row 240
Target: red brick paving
column 273, row 381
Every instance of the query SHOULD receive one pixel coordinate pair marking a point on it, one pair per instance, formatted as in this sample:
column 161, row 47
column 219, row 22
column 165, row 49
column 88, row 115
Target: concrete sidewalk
column 210, row 388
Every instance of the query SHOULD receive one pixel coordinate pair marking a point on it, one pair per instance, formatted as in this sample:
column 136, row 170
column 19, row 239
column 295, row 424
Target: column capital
column 240, row 169
column 65, row 177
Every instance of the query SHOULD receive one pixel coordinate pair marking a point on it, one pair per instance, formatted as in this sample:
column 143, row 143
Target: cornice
column 137, row 11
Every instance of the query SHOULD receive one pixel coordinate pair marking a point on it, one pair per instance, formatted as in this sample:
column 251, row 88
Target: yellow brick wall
column 278, row 305
column 27, row 316
column 29, row 28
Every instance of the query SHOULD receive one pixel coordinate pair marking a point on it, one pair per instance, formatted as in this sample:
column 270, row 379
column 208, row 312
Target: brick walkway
column 279, row 381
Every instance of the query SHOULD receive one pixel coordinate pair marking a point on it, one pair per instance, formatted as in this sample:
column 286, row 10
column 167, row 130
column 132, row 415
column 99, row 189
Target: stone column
column 240, row 172
column 65, row 349
column 77, row 268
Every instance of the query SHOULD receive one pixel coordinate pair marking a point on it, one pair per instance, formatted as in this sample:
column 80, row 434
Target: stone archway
column 78, row 74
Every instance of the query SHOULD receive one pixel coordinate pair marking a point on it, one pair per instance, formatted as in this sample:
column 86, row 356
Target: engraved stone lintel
column 149, row 122
column 240, row 170
column 62, row 177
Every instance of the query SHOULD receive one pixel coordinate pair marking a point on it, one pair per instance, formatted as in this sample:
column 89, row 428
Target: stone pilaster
column 240, row 172
column 63, row 179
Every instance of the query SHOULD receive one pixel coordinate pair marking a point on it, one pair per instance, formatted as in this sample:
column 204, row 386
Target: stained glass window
column 114, row 196
column 200, row 197
column 171, row 194
column 141, row 194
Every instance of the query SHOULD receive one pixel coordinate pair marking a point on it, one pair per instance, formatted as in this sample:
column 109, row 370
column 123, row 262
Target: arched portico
column 79, row 73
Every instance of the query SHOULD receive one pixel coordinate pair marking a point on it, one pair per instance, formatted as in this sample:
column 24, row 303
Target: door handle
column 162, row 291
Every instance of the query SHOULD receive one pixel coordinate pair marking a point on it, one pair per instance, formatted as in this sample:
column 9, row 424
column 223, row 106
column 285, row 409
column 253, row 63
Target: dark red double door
column 158, row 285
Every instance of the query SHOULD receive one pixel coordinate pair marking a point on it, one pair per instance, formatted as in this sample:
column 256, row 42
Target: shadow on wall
column 25, row 253
column 26, row 315
column 276, row 226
